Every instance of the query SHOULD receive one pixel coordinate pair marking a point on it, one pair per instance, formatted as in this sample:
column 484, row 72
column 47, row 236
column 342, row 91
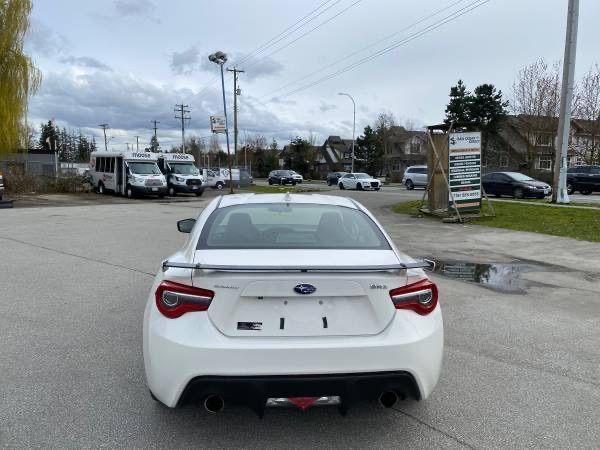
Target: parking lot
column 521, row 366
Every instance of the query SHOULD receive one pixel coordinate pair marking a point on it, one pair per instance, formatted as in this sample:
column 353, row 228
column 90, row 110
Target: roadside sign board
column 464, row 171
column 217, row 124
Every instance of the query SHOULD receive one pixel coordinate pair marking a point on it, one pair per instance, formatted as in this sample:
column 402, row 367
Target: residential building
column 402, row 148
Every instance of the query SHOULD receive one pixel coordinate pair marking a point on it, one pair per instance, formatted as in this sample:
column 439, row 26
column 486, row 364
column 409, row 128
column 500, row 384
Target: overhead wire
column 453, row 16
column 373, row 44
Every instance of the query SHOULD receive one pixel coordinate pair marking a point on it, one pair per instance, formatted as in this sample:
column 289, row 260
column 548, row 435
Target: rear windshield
column 290, row 226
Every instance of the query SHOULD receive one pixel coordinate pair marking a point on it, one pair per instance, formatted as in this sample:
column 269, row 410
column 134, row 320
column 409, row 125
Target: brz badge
column 304, row 289
column 378, row 286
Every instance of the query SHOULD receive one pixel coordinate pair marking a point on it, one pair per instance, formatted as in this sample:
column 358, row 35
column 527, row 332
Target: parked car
column 415, row 176
column 514, row 184
column 281, row 177
column 290, row 299
column 297, row 176
column 359, row 181
column 585, row 179
column 1, row 186
column 333, row 177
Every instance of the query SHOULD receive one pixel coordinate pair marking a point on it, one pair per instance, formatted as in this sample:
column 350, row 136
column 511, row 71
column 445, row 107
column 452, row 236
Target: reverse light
column 174, row 299
column 420, row 297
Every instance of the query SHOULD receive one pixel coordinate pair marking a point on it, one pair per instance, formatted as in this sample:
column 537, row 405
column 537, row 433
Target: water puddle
column 499, row 277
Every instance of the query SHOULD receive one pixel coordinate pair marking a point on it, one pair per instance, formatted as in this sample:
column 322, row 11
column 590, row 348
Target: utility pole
column 154, row 127
column 559, row 191
column 104, row 126
column 183, row 115
column 137, row 143
column 236, row 92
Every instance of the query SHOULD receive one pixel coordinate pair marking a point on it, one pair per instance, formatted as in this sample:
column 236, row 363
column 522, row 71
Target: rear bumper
column 254, row 391
column 190, row 351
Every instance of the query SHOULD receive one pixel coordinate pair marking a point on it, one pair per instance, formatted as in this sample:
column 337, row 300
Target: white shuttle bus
column 181, row 173
column 127, row 173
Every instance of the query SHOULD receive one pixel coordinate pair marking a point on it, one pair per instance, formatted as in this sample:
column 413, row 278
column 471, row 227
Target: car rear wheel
column 586, row 191
column 219, row 185
column 101, row 189
column 341, row 185
column 172, row 192
column 329, row 183
column 518, row 193
column 409, row 185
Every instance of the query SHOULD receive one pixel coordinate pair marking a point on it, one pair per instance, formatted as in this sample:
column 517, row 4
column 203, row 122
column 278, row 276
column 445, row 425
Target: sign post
column 464, row 172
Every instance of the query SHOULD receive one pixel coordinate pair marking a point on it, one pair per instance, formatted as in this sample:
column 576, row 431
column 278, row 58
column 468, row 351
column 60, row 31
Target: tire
column 497, row 195
column 220, row 185
column 101, row 189
column 270, row 182
column 409, row 185
column 359, row 187
column 161, row 195
column 377, row 189
column 570, row 189
column 294, row 183
column 518, row 193
column 329, row 183
column 585, row 191
column 128, row 192
column 199, row 193
column 341, row 186
column 172, row 192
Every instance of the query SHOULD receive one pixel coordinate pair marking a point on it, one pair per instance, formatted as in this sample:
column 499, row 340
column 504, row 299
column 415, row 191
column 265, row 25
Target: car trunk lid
column 271, row 302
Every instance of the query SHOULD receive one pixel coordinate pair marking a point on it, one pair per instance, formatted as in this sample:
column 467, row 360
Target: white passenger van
column 181, row 173
column 127, row 173
column 213, row 178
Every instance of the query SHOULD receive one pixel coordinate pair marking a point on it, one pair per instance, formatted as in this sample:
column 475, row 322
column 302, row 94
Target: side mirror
column 186, row 225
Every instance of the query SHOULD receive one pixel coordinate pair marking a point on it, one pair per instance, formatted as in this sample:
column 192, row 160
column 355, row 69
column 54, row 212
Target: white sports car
column 289, row 299
column 359, row 181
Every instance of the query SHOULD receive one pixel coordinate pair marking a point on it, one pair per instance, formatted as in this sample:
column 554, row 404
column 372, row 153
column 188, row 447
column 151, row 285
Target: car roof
column 318, row 199
column 422, row 166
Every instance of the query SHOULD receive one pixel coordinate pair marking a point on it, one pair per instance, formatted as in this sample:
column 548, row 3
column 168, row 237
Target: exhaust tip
column 388, row 399
column 214, row 404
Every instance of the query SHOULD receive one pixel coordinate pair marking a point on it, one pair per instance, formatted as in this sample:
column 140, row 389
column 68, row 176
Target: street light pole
column 353, row 125
column 559, row 193
column 220, row 58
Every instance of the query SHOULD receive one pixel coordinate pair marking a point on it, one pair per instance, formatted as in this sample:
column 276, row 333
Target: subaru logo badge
column 304, row 289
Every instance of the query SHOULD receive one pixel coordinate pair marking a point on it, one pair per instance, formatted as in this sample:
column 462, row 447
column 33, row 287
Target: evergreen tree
column 154, row 145
column 299, row 156
column 486, row 108
column 368, row 154
column 47, row 130
column 458, row 108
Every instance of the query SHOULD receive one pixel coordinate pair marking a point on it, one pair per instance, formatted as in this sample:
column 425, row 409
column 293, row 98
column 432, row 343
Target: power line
column 455, row 15
column 183, row 115
column 275, row 40
column 304, row 34
column 373, row 44
column 284, row 34
column 155, row 127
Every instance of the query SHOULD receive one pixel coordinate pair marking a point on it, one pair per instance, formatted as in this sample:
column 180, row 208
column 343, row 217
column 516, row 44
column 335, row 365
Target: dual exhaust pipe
column 214, row 403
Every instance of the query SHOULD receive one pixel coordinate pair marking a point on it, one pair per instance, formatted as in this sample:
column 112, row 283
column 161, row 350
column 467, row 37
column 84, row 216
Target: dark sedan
column 514, row 184
column 281, row 177
column 334, row 177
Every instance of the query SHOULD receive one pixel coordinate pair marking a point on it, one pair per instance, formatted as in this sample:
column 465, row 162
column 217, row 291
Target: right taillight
column 174, row 299
column 420, row 297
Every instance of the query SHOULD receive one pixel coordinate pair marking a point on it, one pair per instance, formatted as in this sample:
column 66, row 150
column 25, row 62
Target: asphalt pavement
column 521, row 367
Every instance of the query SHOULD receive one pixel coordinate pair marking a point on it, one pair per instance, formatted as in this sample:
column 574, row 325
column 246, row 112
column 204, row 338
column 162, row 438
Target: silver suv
column 415, row 176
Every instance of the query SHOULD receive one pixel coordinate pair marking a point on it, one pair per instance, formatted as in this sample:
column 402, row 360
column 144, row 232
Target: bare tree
column 383, row 130
column 587, row 144
column 536, row 103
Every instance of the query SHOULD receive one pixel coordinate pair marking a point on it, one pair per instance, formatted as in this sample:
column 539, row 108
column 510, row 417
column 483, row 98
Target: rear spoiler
column 425, row 264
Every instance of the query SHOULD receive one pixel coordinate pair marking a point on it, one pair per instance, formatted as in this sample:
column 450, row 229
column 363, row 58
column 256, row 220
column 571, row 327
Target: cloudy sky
column 127, row 62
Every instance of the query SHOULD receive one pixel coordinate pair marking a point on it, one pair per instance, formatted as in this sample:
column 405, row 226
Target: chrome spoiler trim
column 425, row 264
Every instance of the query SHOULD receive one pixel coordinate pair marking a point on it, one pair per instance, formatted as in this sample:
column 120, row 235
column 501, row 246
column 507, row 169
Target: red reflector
column 175, row 299
column 420, row 297
column 303, row 402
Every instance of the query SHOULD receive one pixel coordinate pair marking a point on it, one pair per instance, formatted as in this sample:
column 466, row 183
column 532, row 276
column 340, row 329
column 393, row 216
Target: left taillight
column 420, row 297
column 175, row 299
